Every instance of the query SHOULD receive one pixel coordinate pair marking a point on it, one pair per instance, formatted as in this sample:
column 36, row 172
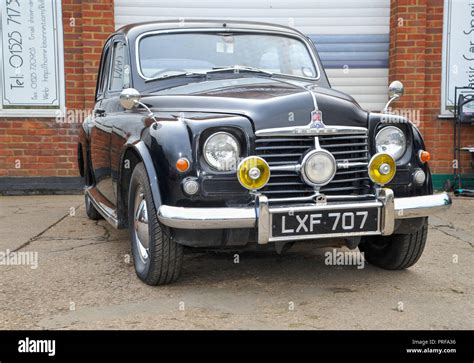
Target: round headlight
column 319, row 167
column 221, row 151
column 391, row 140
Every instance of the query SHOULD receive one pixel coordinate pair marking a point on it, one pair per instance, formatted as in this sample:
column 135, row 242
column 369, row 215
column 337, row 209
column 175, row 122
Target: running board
column 103, row 206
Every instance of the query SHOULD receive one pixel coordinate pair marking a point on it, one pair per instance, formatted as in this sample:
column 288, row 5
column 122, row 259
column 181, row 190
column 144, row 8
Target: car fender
column 142, row 150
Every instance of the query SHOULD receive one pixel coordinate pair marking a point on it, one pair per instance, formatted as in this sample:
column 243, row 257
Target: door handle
column 99, row 112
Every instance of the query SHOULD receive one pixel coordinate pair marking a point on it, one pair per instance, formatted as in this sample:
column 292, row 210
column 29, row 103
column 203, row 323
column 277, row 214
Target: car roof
column 134, row 30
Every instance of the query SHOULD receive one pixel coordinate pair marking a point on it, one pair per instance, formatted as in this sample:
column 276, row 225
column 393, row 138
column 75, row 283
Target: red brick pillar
column 407, row 44
column 416, row 43
column 98, row 24
column 73, row 60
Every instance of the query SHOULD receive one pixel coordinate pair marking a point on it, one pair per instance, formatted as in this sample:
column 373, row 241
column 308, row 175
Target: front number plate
column 325, row 222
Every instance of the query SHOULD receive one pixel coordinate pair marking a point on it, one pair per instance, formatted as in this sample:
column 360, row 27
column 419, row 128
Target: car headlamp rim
column 304, row 164
column 206, row 144
column 397, row 130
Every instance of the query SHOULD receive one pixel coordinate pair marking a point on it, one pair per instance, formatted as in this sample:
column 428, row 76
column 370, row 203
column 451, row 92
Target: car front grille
column 289, row 150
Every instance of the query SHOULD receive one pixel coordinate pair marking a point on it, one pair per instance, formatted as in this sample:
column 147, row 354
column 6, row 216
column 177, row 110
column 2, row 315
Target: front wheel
column 395, row 252
column 156, row 256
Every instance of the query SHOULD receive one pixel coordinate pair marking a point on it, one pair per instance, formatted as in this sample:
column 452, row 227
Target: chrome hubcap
column 141, row 226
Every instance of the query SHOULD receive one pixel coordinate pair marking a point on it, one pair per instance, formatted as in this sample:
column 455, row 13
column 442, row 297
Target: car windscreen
column 162, row 54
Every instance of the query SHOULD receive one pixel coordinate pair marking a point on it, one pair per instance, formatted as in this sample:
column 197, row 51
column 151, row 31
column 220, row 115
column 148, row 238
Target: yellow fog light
column 382, row 168
column 253, row 173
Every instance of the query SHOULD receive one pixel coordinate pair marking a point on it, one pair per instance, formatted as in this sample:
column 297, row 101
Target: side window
column 104, row 72
column 120, row 71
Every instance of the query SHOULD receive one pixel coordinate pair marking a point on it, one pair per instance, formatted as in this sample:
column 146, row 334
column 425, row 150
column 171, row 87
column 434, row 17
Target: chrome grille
column 347, row 148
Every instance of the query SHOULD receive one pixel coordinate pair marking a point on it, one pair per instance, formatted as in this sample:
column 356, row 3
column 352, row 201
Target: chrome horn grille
column 284, row 150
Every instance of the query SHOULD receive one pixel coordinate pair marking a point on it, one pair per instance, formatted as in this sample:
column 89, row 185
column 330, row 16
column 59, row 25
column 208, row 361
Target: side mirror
column 395, row 91
column 129, row 98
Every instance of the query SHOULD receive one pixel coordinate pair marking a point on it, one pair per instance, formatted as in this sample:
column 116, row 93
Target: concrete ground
column 84, row 280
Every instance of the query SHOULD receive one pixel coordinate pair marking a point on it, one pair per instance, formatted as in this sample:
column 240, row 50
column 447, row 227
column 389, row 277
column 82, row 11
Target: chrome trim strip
column 103, row 206
column 328, row 197
column 306, row 130
column 351, row 164
column 229, row 30
column 297, row 167
column 290, row 167
column 422, row 206
column 207, row 218
column 315, row 101
column 309, row 198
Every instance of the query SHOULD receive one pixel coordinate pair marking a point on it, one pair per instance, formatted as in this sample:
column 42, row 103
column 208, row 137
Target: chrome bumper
column 260, row 216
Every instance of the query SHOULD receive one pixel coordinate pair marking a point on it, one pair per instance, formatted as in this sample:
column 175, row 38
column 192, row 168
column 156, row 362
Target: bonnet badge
column 317, row 120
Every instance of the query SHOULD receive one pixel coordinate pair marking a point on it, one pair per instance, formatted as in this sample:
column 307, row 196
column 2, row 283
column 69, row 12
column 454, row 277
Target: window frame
column 309, row 46
column 102, row 77
column 126, row 62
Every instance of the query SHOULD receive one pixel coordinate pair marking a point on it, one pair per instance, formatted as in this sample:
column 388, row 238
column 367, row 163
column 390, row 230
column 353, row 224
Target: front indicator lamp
column 382, row 168
column 182, row 164
column 424, row 156
column 253, row 173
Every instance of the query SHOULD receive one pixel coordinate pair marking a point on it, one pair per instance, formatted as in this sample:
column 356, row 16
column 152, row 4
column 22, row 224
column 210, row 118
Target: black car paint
column 187, row 110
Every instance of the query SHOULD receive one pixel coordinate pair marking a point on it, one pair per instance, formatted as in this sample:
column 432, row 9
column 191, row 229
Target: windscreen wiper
column 229, row 69
column 238, row 69
column 182, row 74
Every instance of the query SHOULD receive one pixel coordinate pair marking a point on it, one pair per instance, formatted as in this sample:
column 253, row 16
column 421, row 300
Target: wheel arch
column 80, row 160
column 131, row 156
column 84, row 162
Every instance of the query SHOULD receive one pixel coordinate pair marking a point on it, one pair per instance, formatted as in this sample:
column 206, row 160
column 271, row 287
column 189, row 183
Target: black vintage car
column 228, row 135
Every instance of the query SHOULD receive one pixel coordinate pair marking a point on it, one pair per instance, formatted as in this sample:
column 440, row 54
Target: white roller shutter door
column 352, row 36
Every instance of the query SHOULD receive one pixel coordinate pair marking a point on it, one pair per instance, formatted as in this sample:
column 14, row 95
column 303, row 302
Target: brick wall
column 416, row 60
column 43, row 146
